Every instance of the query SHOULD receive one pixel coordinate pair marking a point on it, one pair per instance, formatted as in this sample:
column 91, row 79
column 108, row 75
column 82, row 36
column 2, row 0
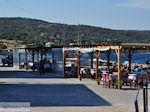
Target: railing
column 145, row 99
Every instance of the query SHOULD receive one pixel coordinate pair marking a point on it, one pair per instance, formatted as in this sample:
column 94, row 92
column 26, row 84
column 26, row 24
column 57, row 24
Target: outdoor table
column 138, row 78
column 142, row 78
column 93, row 72
column 132, row 78
column 82, row 70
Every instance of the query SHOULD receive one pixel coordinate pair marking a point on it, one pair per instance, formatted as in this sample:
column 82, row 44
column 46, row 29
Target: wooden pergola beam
column 119, row 67
column 19, row 60
column 65, row 75
column 129, row 58
column 97, row 56
column 26, row 64
column 78, row 65
column 125, row 53
column 108, row 59
column 91, row 60
column 33, row 59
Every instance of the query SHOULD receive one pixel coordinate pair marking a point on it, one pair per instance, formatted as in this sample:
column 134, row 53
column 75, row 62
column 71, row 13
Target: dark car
column 148, row 62
column 8, row 61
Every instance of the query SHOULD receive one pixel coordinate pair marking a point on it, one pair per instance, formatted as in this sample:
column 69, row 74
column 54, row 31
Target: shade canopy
column 86, row 50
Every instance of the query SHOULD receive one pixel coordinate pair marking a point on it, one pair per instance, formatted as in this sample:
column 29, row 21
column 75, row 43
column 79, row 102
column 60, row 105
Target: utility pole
column 79, row 38
column 64, row 35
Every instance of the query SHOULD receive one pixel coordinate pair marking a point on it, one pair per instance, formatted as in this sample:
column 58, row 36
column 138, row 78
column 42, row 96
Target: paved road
column 50, row 93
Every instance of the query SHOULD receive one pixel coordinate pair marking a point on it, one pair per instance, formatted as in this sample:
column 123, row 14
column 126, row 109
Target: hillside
column 38, row 32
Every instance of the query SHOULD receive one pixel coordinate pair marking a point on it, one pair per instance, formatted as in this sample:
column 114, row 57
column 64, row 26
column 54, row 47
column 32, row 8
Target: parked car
column 148, row 62
column 8, row 61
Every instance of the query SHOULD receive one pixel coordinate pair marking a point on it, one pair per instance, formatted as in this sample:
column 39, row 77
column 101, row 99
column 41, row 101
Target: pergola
column 120, row 49
column 39, row 51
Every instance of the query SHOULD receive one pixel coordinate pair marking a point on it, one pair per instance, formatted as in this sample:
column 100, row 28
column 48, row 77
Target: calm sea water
column 139, row 58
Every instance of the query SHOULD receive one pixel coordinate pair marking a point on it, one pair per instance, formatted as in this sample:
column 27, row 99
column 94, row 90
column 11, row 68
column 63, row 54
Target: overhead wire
column 25, row 10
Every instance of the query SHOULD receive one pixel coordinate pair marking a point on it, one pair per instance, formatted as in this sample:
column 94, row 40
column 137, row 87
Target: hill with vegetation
column 38, row 32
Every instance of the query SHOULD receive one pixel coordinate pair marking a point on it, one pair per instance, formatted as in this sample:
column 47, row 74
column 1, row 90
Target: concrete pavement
column 49, row 93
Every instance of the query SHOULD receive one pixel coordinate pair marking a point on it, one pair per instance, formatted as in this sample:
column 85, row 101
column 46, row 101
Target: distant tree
column 39, row 32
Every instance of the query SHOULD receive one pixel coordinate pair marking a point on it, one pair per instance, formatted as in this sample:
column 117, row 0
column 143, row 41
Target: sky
column 114, row 14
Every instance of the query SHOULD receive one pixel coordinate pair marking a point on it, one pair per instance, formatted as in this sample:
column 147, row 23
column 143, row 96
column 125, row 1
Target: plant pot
column 25, row 67
column 80, row 78
column 98, row 82
column 19, row 66
column 117, row 87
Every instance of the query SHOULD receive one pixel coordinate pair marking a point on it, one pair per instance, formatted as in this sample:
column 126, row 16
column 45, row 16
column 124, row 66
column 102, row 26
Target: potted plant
column 25, row 66
column 80, row 77
column 19, row 66
column 118, row 83
column 98, row 80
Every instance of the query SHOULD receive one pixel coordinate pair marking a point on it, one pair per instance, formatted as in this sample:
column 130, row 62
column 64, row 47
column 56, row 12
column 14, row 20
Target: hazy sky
column 115, row 14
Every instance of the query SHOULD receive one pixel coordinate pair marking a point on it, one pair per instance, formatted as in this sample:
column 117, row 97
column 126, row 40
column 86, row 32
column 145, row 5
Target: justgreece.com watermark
column 14, row 106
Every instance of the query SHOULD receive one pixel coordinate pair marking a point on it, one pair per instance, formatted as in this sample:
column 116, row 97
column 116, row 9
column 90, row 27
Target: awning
column 100, row 49
column 86, row 50
column 70, row 49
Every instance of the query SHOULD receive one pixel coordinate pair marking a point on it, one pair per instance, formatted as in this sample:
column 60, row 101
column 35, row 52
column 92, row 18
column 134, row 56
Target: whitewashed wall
column 58, row 62
column 16, row 56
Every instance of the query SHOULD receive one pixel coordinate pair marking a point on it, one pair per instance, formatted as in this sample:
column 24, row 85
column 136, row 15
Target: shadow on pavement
column 51, row 95
column 25, row 74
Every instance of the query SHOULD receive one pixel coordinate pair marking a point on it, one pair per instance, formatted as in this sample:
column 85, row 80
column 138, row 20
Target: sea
column 137, row 58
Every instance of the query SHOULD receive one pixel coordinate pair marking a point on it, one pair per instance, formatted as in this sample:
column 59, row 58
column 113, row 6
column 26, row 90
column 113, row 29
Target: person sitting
column 73, row 69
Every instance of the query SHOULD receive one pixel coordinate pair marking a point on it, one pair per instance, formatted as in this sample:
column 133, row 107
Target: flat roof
column 135, row 46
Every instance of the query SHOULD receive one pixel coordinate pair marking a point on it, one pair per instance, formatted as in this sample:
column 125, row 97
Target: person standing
column 41, row 67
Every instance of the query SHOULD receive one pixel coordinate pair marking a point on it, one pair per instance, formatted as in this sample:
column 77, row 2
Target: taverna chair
column 106, row 80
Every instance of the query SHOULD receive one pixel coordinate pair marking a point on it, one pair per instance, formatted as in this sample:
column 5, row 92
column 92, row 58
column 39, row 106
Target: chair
column 145, row 79
column 113, row 78
column 142, row 79
column 124, row 77
column 148, row 75
column 139, row 80
column 106, row 81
